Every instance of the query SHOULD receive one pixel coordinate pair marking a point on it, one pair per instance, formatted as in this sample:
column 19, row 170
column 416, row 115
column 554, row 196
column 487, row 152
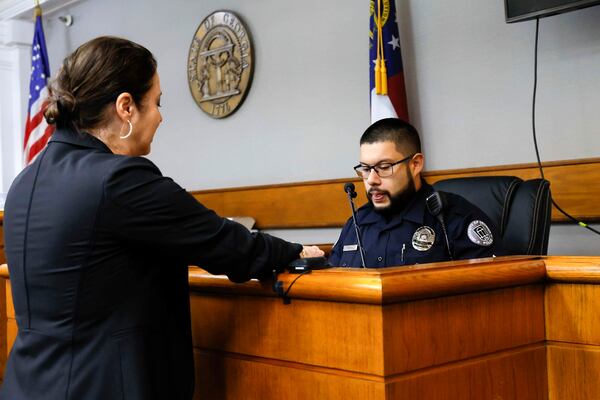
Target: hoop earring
column 129, row 131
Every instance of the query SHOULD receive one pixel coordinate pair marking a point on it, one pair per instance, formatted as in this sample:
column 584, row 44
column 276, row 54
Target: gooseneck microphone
column 349, row 189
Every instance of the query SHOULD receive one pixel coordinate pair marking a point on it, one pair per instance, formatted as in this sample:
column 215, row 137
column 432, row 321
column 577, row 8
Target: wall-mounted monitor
column 523, row 10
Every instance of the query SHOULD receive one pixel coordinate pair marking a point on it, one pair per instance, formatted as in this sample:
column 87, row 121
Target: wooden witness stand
column 509, row 328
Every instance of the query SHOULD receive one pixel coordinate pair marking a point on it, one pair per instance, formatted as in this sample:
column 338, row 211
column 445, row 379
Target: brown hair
column 93, row 76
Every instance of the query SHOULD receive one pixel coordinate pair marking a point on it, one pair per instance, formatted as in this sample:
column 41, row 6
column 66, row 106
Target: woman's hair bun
column 62, row 106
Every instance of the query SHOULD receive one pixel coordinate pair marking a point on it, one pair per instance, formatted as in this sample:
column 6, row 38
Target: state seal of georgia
column 220, row 64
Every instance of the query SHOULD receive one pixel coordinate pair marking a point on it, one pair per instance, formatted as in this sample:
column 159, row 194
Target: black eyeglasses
column 383, row 169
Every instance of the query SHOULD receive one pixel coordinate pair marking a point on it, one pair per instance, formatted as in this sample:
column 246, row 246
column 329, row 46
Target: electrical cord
column 537, row 152
column 278, row 286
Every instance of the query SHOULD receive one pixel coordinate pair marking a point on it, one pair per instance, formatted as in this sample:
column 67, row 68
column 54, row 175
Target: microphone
column 435, row 205
column 349, row 189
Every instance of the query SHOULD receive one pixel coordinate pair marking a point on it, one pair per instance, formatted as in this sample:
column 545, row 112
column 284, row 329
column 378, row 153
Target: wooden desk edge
column 573, row 269
column 399, row 284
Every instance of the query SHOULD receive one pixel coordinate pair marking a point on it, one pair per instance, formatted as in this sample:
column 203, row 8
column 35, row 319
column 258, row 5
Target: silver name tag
column 351, row 247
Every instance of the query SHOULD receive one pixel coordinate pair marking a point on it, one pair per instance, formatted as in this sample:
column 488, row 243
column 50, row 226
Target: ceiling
column 23, row 9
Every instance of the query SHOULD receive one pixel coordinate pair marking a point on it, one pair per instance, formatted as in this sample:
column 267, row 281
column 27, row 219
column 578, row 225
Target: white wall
column 469, row 76
column 309, row 94
column 470, row 79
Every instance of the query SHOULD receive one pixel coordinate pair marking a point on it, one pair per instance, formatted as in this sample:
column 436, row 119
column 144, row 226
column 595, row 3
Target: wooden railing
column 575, row 185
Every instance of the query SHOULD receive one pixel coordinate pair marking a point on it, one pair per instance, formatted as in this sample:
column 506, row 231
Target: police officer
column 396, row 226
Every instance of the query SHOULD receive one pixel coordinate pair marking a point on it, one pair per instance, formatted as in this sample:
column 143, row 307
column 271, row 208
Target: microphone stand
column 349, row 189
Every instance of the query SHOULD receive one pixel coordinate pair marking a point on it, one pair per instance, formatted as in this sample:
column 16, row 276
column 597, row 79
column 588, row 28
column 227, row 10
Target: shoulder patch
column 480, row 234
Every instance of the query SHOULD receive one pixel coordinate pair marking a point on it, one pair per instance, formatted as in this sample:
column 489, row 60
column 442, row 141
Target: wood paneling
column 573, row 313
column 8, row 319
column 328, row 342
column 10, row 307
column 421, row 334
column 513, row 375
column 301, row 205
column 11, row 334
column 573, row 372
column 325, row 334
column 573, row 328
column 574, row 185
column 2, row 255
column 417, row 335
column 3, row 326
column 230, row 377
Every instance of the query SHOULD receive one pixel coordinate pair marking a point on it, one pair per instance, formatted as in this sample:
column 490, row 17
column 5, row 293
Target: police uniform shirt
column 414, row 236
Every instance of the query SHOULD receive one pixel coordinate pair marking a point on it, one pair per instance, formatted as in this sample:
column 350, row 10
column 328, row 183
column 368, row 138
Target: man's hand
column 311, row 251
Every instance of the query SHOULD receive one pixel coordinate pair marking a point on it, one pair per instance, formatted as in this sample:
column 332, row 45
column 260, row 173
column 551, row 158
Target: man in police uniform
column 396, row 226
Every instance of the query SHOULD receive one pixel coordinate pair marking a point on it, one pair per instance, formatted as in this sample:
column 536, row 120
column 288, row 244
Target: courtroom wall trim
column 574, row 185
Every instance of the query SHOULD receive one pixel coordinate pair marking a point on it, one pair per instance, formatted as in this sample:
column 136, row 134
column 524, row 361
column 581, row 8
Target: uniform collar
column 414, row 212
column 81, row 139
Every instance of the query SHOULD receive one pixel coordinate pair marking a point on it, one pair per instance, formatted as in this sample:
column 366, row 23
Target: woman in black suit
column 98, row 243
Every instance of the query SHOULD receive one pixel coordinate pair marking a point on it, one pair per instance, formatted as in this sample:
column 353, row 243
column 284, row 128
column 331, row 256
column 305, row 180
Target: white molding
column 3, row 186
column 15, row 64
column 23, row 9
column 3, row 31
column 16, row 33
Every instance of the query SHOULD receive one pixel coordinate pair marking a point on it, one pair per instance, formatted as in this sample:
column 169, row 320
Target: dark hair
column 93, row 76
column 403, row 134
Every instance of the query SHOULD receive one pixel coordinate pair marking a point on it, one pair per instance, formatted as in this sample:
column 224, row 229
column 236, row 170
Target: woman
column 98, row 243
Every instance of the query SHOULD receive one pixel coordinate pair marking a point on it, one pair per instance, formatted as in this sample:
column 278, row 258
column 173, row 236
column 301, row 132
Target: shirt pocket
column 413, row 256
column 350, row 258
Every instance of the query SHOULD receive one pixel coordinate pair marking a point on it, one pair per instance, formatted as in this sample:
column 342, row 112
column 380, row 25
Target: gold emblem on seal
column 220, row 64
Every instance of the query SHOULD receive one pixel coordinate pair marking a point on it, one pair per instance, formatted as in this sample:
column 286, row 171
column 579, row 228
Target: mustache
column 378, row 191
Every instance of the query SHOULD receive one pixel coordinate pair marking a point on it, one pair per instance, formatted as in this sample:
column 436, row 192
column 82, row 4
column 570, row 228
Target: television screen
column 522, row 10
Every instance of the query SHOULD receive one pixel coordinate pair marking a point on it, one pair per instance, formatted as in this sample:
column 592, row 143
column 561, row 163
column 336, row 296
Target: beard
column 398, row 202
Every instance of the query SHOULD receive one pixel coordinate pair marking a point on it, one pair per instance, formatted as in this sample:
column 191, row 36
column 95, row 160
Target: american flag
column 391, row 101
column 37, row 130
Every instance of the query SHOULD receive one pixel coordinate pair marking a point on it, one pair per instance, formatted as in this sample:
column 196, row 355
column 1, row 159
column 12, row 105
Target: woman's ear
column 124, row 106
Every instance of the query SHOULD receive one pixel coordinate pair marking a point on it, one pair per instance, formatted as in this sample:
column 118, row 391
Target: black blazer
column 98, row 247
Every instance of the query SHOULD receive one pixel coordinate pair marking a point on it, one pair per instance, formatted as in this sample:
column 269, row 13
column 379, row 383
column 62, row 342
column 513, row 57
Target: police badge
column 220, row 64
column 423, row 238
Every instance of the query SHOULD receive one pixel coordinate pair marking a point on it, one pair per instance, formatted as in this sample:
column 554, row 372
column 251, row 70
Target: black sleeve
column 463, row 246
column 147, row 209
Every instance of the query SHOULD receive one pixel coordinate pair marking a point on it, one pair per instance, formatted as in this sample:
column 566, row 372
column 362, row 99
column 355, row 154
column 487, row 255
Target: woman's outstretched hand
column 311, row 251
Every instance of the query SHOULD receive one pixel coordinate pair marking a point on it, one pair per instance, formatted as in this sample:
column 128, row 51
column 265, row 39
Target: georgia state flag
column 392, row 104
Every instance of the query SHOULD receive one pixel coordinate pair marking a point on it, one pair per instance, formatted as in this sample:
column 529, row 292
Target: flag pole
column 383, row 89
column 377, row 15
column 37, row 10
column 37, row 129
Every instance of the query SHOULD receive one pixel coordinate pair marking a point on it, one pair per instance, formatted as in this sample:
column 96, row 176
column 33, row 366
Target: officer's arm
column 475, row 236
